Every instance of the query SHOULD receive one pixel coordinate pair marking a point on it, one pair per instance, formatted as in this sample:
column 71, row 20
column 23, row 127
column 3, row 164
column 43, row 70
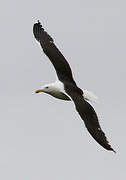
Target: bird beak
column 39, row 90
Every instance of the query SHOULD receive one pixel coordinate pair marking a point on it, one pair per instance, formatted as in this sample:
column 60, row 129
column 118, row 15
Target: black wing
column 62, row 67
column 89, row 117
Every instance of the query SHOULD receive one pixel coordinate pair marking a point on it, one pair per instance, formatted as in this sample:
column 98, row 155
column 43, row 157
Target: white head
column 46, row 89
column 52, row 88
column 55, row 89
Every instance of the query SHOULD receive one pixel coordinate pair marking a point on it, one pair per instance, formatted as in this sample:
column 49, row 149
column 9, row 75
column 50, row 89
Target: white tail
column 89, row 96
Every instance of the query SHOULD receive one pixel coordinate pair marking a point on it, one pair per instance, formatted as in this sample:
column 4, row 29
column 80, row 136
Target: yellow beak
column 39, row 90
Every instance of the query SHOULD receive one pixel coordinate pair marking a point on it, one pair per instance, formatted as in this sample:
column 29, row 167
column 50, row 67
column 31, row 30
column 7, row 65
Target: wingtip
column 113, row 151
column 40, row 34
column 38, row 23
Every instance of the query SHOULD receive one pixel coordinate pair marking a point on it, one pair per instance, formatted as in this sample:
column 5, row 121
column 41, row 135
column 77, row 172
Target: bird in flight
column 65, row 87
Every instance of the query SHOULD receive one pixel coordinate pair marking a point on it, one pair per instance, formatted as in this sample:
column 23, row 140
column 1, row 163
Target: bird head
column 49, row 88
column 45, row 89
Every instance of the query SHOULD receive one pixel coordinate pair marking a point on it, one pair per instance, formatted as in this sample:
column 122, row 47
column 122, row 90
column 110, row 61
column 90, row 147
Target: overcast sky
column 43, row 138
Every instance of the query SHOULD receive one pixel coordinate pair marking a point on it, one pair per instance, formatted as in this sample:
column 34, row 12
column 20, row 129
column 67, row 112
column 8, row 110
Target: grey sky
column 42, row 137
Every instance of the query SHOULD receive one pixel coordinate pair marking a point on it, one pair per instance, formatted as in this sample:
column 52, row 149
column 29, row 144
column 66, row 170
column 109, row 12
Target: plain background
column 42, row 137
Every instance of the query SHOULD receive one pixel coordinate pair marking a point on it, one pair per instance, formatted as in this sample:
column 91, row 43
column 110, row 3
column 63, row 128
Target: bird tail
column 90, row 96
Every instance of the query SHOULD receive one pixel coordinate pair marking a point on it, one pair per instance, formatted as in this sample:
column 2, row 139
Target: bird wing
column 59, row 62
column 89, row 117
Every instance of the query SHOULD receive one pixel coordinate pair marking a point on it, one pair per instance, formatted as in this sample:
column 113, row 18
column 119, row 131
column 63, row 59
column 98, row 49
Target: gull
column 65, row 87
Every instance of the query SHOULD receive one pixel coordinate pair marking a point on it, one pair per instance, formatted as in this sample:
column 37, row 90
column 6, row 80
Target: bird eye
column 47, row 87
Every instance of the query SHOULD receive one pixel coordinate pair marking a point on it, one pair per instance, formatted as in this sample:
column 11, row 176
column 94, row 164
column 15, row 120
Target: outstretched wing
column 61, row 66
column 89, row 117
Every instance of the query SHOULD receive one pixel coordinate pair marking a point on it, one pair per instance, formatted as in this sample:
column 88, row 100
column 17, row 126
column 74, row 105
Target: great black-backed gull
column 66, row 88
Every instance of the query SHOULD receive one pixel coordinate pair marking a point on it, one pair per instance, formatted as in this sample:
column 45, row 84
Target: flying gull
column 65, row 87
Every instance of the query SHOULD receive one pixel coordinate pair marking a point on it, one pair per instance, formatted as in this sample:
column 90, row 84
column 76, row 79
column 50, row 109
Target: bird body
column 65, row 87
column 57, row 90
